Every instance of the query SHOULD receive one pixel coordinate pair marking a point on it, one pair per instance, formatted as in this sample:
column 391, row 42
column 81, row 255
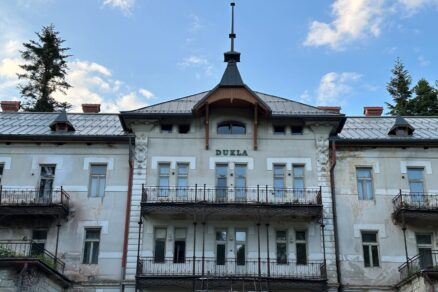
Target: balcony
column 25, row 201
column 415, row 208
column 20, row 253
column 422, row 264
column 259, row 201
column 230, row 274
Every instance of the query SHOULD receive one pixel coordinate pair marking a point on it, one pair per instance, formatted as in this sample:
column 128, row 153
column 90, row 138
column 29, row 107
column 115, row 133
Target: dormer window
column 61, row 124
column 401, row 128
column 231, row 127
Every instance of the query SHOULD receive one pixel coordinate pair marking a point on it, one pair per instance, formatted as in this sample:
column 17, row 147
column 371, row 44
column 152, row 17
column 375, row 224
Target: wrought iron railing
column 425, row 261
column 150, row 267
column 415, row 200
column 257, row 194
column 33, row 197
column 29, row 249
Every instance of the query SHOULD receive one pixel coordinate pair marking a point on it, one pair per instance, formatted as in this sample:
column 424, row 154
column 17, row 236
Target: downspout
column 127, row 215
column 335, row 218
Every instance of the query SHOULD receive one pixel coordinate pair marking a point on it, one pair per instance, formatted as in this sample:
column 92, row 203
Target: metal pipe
column 194, row 253
column 56, row 246
column 127, row 214
column 203, row 247
column 258, row 242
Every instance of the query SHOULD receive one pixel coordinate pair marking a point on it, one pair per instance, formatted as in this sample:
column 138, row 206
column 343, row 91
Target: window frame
column 230, row 125
column 221, row 242
column 164, row 239
column 92, row 242
column 422, row 180
column 277, row 242
column 163, row 191
column 176, row 259
column 99, row 178
column 369, row 246
column 182, row 190
column 302, row 241
column 361, row 181
column 42, row 193
column 279, row 192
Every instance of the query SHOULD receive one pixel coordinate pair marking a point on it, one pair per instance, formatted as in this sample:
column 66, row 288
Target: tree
column 425, row 102
column 45, row 70
column 398, row 88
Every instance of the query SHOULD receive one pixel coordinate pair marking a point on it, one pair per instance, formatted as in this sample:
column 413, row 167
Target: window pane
column 159, row 251
column 180, row 233
column 366, row 255
column 281, row 235
column 93, row 186
column 179, row 251
column 183, row 169
column 240, row 236
column 375, row 254
column 299, row 183
column 281, row 253
column 164, row 182
column 363, row 172
column 238, row 129
column 300, row 235
column 416, row 187
column 279, row 130
column 220, row 254
column 424, row 239
column 92, row 234
column 98, row 169
column 298, row 171
column 221, row 235
column 160, row 233
column 166, row 128
column 301, row 254
column 39, row 234
column 164, row 169
column 95, row 253
column 240, row 254
column 279, row 170
column 101, row 187
column 224, row 129
column 415, row 173
column 87, row 249
column 369, row 237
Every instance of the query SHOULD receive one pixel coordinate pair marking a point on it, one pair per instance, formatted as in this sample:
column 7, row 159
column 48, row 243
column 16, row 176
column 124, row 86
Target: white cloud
column 146, row 93
column 423, row 61
column 334, row 86
column 124, row 5
column 199, row 63
column 128, row 101
column 353, row 20
column 9, row 67
column 195, row 24
column 412, row 6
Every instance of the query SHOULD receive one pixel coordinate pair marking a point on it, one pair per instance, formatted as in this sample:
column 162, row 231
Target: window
column 182, row 179
column 166, row 128
column 364, row 183
column 183, row 129
column 370, row 249
column 298, row 180
column 281, row 240
column 39, row 238
column 179, row 249
column 97, row 180
column 240, row 247
column 240, row 182
column 160, row 245
column 2, row 166
column 279, row 130
column 91, row 246
column 221, row 182
column 424, row 246
column 301, row 245
column 297, row 130
column 163, row 179
column 221, row 244
column 279, row 180
column 47, row 177
column 231, row 128
column 416, row 184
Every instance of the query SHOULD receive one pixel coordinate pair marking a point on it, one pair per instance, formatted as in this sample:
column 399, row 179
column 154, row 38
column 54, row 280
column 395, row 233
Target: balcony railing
column 426, row 261
column 20, row 249
column 148, row 267
column 410, row 200
column 33, row 197
column 219, row 195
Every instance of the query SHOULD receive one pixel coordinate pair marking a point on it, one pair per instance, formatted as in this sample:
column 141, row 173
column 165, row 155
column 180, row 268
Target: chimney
column 91, row 108
column 372, row 111
column 10, row 106
column 334, row 109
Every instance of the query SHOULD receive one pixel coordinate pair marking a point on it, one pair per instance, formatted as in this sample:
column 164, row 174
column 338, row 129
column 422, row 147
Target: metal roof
column 28, row 123
column 376, row 128
column 278, row 105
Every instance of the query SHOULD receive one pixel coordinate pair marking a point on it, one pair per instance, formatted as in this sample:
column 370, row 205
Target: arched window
column 231, row 127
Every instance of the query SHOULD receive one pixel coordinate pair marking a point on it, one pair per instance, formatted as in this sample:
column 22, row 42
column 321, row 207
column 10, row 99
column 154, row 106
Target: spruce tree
column 44, row 71
column 425, row 102
column 398, row 88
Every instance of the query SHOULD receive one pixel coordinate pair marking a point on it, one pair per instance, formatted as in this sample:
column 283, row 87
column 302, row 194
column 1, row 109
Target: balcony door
column 221, row 182
column 47, row 176
column 240, row 252
column 416, row 184
column 424, row 246
column 240, row 182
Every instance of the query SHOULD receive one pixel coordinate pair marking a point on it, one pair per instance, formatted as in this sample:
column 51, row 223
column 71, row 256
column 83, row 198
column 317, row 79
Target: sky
column 127, row 54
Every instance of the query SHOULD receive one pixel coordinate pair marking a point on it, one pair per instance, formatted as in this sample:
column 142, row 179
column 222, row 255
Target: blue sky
column 131, row 53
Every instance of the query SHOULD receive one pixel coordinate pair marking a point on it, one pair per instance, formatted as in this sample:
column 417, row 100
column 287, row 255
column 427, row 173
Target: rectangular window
column 184, row 129
column 281, row 241
column 297, row 130
column 240, row 247
column 240, row 182
column 163, row 179
column 279, row 180
column 91, row 246
column 424, row 246
column 97, row 180
column 179, row 249
column 221, row 182
column 221, row 244
column 47, row 177
column 364, row 183
column 301, row 245
column 160, row 245
column 370, row 249
column 182, row 179
column 416, row 184
column 279, row 130
column 39, row 237
column 298, row 180
column 166, row 128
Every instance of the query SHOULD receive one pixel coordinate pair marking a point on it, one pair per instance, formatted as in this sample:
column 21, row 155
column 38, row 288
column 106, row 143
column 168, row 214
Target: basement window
column 184, row 129
column 166, row 128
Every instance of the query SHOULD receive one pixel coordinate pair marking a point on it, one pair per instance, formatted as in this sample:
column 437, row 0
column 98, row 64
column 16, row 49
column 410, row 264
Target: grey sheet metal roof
column 279, row 106
column 36, row 124
column 376, row 128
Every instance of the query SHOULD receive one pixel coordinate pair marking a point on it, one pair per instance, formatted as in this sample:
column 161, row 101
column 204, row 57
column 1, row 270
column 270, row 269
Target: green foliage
column 398, row 88
column 5, row 252
column 425, row 102
column 44, row 71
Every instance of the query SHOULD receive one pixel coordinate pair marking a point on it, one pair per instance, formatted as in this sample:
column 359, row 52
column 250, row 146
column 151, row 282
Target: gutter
column 335, row 218
column 127, row 215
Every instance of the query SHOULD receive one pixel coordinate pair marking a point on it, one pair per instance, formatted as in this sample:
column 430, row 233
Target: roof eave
column 385, row 142
column 65, row 138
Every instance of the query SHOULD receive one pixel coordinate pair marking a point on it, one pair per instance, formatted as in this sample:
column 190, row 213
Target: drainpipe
column 127, row 215
column 335, row 219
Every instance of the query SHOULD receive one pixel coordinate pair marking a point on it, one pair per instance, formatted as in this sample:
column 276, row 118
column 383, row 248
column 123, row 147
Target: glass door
column 424, row 246
column 416, row 184
column 240, row 182
column 240, row 251
column 47, row 177
column 221, row 182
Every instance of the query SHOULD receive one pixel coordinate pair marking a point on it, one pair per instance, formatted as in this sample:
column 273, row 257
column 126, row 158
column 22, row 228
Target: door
column 416, row 184
column 424, row 246
column 182, row 180
column 221, row 182
column 240, row 182
column 39, row 237
column 47, row 177
column 240, row 250
column 221, row 251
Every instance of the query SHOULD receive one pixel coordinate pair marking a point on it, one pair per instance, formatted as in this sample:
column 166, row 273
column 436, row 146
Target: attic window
column 61, row 123
column 279, row 130
column 166, row 128
column 401, row 128
column 184, row 128
column 297, row 130
column 233, row 128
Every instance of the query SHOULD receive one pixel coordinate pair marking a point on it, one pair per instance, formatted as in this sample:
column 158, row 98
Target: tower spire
column 232, row 56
